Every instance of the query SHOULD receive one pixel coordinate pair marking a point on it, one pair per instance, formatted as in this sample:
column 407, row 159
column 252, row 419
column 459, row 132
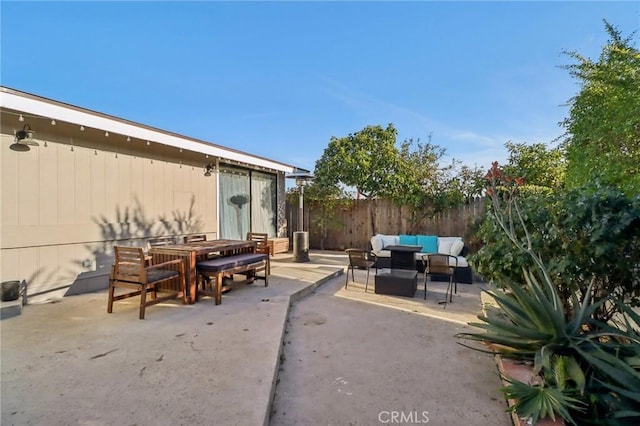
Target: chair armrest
column 163, row 265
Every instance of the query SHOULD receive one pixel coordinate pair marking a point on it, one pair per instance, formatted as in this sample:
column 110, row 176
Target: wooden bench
column 211, row 273
column 278, row 245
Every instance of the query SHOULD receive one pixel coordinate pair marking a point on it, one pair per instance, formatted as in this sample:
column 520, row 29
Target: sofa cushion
column 429, row 243
column 390, row 240
column 445, row 243
column 408, row 240
column 384, row 253
column 376, row 243
column 456, row 248
column 462, row 262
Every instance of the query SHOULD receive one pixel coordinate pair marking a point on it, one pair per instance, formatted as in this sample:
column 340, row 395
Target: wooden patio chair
column 262, row 246
column 196, row 238
column 160, row 242
column 130, row 271
column 359, row 259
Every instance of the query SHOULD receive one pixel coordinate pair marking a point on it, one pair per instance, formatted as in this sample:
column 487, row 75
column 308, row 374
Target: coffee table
column 396, row 282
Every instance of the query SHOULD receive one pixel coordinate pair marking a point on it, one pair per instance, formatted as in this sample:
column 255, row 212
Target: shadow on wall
column 237, row 202
column 132, row 227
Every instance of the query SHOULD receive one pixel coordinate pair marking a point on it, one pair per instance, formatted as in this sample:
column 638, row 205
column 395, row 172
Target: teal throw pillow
column 429, row 243
column 408, row 240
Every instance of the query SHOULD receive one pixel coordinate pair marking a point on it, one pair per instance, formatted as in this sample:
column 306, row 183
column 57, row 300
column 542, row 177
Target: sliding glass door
column 263, row 203
column 234, row 204
column 247, row 203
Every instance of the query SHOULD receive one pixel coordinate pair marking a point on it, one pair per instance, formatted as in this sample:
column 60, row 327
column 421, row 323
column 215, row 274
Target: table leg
column 192, row 284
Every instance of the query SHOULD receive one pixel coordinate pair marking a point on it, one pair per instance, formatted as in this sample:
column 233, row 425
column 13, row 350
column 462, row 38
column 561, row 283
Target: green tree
column 603, row 127
column 540, row 167
column 427, row 187
column 324, row 201
column 366, row 160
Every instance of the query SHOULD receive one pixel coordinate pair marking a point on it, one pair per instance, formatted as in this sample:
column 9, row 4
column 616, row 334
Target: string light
column 106, row 134
column 53, row 122
column 128, row 139
column 21, row 118
column 81, row 128
column 148, row 143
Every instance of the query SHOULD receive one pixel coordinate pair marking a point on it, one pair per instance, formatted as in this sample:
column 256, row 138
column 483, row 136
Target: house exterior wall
column 63, row 210
column 96, row 181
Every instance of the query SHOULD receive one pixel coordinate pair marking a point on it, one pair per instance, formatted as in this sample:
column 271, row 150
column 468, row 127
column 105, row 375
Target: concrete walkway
column 348, row 357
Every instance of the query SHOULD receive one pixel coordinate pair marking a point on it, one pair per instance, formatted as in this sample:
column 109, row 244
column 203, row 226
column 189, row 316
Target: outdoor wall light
column 23, row 139
column 208, row 169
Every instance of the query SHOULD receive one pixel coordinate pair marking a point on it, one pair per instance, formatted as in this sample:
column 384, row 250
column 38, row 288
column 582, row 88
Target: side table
column 403, row 256
column 396, row 282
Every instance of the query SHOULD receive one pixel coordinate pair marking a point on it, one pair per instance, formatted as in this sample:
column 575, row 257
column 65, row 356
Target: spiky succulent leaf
column 537, row 402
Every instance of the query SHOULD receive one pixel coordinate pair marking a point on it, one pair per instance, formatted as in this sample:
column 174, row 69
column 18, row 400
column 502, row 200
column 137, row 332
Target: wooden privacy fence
column 352, row 225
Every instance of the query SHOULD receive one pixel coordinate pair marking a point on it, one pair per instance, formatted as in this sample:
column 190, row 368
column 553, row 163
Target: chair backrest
column 358, row 258
column 194, row 238
column 439, row 264
column 129, row 264
column 160, row 242
column 262, row 241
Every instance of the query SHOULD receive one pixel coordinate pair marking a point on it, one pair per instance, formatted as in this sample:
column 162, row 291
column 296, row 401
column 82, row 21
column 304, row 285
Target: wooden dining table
column 191, row 253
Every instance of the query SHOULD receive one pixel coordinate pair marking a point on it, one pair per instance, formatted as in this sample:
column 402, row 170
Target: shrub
column 584, row 234
column 586, row 360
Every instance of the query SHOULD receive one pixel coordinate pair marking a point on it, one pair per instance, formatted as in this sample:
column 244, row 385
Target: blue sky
column 279, row 79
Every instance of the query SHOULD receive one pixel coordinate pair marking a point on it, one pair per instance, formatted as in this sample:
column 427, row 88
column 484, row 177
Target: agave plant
column 584, row 368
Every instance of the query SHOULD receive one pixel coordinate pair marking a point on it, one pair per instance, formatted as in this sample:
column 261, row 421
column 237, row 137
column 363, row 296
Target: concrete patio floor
column 264, row 356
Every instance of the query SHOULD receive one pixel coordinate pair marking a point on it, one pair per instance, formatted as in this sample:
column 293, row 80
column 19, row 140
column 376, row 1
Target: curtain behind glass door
column 234, row 204
column 263, row 203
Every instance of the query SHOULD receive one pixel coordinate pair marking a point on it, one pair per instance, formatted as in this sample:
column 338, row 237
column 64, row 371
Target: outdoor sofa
column 430, row 244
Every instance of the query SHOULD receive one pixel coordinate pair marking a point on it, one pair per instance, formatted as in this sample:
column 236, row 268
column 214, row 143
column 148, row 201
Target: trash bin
column 10, row 290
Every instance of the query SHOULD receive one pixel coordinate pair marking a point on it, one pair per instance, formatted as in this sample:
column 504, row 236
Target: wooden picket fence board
column 389, row 219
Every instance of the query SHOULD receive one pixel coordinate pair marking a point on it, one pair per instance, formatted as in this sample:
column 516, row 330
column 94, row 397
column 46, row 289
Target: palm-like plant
column 580, row 368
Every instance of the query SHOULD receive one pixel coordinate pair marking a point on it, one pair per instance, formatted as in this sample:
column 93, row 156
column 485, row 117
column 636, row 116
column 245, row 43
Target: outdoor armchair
column 441, row 264
column 131, row 272
column 359, row 259
column 262, row 246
